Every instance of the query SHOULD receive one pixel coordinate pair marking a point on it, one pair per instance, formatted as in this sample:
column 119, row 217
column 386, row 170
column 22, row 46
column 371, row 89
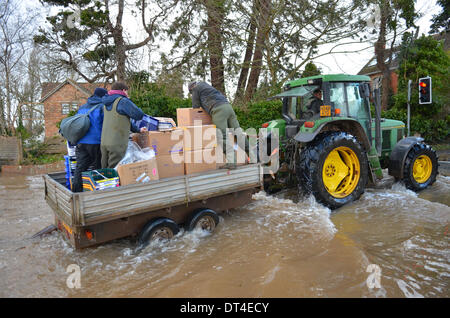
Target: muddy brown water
column 277, row 246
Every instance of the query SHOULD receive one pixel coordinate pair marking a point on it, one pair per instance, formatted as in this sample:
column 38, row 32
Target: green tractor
column 335, row 151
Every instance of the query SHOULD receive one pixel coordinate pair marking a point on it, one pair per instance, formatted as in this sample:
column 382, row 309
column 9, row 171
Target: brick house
column 61, row 98
column 371, row 69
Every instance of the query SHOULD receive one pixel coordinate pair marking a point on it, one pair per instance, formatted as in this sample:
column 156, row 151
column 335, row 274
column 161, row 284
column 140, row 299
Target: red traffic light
column 425, row 90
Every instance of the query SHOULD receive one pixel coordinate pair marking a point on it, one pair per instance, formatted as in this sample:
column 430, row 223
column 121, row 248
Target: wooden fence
column 10, row 150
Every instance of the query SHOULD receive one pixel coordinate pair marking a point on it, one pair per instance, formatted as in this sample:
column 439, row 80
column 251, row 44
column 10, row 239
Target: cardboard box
column 138, row 172
column 199, row 137
column 200, row 160
column 188, row 116
column 162, row 142
column 169, row 166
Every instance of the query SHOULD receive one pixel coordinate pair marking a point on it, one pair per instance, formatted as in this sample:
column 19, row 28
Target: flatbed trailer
column 156, row 209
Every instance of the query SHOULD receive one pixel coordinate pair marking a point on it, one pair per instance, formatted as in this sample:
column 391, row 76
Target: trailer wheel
column 162, row 229
column 421, row 167
column 334, row 168
column 204, row 219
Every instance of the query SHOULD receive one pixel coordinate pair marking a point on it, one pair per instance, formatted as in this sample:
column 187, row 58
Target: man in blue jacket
column 118, row 111
column 88, row 148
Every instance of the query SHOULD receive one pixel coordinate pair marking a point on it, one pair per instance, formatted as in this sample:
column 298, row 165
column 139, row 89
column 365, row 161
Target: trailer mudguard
column 398, row 155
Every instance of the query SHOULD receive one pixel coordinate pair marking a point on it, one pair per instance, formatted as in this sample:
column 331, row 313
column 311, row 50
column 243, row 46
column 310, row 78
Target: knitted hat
column 100, row 92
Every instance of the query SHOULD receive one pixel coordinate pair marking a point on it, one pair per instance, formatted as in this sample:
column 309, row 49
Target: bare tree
column 15, row 42
column 264, row 11
column 97, row 47
column 251, row 31
column 216, row 14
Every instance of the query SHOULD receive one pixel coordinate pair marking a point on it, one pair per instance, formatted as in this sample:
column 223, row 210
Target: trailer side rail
column 89, row 208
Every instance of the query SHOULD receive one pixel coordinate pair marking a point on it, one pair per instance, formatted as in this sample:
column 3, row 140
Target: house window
column 68, row 107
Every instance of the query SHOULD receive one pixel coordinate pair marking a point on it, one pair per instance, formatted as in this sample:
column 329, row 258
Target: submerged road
column 390, row 243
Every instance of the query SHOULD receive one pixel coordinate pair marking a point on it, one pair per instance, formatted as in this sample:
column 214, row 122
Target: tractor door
column 349, row 98
column 357, row 107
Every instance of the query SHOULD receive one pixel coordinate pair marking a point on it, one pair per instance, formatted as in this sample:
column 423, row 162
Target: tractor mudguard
column 349, row 125
column 398, row 155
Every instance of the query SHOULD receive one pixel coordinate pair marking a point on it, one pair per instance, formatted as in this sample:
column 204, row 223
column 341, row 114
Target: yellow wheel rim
column 341, row 172
column 422, row 169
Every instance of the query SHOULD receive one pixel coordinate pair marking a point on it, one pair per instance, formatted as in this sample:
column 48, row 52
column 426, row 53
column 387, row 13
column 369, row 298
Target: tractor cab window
column 337, row 97
column 298, row 107
column 356, row 107
column 294, row 107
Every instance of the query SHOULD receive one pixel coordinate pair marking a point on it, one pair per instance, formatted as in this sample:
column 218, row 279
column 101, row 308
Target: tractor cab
column 343, row 96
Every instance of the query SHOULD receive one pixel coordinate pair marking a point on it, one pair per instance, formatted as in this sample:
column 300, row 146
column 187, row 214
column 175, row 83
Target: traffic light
column 425, row 90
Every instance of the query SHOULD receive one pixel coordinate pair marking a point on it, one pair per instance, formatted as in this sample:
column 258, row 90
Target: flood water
column 273, row 247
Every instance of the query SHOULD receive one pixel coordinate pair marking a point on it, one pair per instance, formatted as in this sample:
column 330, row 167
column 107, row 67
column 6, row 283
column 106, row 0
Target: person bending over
column 222, row 115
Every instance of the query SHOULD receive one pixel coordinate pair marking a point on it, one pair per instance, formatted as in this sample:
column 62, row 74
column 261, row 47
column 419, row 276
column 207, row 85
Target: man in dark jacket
column 222, row 115
column 116, row 124
column 88, row 148
column 316, row 101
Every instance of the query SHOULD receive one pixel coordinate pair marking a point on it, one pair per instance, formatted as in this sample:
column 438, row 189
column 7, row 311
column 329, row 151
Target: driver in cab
column 316, row 102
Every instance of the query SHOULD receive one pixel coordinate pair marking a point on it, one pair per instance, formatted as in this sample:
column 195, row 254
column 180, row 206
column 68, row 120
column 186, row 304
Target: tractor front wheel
column 334, row 168
column 421, row 167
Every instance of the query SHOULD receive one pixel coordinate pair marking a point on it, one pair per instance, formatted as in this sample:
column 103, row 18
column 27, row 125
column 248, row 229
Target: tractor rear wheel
column 334, row 168
column 420, row 168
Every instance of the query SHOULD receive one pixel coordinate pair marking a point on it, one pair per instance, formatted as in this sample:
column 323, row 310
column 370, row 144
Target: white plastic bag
column 135, row 154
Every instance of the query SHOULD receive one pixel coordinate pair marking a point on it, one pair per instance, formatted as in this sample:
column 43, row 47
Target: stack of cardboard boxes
column 200, row 144
column 200, row 140
column 186, row 149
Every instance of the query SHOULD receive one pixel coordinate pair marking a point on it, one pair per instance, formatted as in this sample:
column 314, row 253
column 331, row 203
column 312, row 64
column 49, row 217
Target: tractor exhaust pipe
column 377, row 100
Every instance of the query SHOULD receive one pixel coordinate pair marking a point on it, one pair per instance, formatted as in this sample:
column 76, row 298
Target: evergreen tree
column 311, row 69
column 423, row 57
column 441, row 21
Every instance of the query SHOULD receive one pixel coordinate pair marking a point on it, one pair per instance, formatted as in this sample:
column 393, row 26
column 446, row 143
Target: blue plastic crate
column 70, row 162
